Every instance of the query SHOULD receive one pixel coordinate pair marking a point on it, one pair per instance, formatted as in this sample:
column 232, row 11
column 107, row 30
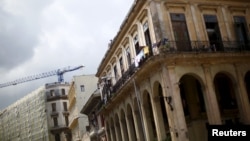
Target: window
column 213, row 32
column 147, row 34
column 136, row 44
column 52, row 93
column 65, row 106
column 121, row 65
column 53, row 107
column 128, row 56
column 66, row 120
column 82, row 88
column 180, row 30
column 63, row 91
column 115, row 72
column 241, row 31
column 102, row 120
column 55, row 121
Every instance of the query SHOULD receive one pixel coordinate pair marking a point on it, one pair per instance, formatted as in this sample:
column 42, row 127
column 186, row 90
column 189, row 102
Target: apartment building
column 57, row 111
column 174, row 67
column 81, row 88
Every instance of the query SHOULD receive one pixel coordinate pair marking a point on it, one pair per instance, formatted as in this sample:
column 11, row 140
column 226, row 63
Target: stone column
column 178, row 114
column 140, row 33
column 147, row 126
column 150, row 26
column 158, row 118
column 166, row 89
column 107, row 132
column 157, row 19
column 243, row 102
column 228, row 22
column 138, row 125
column 123, row 129
column 131, row 132
column 213, row 112
column 113, row 132
column 116, row 130
column 197, row 20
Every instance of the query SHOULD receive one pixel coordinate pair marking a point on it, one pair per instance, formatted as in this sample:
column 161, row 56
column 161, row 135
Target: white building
column 57, row 111
column 80, row 90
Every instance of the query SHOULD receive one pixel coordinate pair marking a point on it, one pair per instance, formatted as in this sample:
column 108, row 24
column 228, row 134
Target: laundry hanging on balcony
column 144, row 52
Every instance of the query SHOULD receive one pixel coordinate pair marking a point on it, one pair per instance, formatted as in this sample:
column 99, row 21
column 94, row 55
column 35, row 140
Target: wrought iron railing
column 57, row 127
column 109, row 90
column 125, row 76
column 180, row 47
column 204, row 46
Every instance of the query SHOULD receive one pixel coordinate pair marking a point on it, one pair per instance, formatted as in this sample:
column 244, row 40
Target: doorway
column 213, row 32
column 181, row 33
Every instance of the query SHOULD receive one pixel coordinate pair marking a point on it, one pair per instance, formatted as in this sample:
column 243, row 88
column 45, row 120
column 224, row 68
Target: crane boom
column 58, row 72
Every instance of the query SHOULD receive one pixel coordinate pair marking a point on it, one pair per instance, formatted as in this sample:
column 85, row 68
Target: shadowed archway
column 226, row 95
column 192, row 96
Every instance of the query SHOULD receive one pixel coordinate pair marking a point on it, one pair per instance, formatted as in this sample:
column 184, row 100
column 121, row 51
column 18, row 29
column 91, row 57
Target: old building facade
column 175, row 67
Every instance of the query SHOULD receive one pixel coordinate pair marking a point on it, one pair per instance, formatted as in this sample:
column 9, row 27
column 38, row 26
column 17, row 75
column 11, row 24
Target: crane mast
column 58, row 72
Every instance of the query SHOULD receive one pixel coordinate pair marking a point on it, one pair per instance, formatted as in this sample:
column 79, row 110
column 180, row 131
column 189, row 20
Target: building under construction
column 39, row 116
column 26, row 119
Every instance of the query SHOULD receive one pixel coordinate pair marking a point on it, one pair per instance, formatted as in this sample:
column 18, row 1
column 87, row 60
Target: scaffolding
column 26, row 119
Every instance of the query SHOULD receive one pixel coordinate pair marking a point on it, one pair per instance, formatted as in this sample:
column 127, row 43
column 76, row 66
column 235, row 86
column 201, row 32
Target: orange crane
column 58, row 72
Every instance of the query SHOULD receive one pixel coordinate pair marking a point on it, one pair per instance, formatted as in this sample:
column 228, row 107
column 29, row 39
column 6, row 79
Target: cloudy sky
column 38, row 36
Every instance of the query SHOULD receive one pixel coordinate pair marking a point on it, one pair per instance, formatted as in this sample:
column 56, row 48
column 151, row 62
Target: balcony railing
column 59, row 127
column 93, row 130
column 125, row 76
column 171, row 47
column 204, row 46
column 50, row 98
column 54, row 113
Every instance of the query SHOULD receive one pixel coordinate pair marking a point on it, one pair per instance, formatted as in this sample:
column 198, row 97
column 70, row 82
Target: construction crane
column 58, row 72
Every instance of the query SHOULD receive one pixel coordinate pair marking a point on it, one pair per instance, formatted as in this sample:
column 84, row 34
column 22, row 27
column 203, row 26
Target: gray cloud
column 16, row 43
column 41, row 36
column 19, row 30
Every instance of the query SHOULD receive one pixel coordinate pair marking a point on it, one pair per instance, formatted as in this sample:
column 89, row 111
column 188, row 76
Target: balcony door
column 213, row 32
column 180, row 32
column 241, row 31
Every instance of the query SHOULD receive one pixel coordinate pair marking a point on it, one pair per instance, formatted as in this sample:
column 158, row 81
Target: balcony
column 56, row 97
column 176, row 47
column 59, row 129
column 54, row 113
column 204, row 46
column 93, row 131
column 65, row 113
